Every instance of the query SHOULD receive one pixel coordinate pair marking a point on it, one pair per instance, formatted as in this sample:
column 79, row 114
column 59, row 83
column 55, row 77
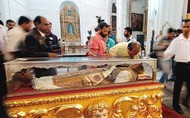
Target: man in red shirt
column 97, row 45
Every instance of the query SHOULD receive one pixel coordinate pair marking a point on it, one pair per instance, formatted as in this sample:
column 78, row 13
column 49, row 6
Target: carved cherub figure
column 98, row 109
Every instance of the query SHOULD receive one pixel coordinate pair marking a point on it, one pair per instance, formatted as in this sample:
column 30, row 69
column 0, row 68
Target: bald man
column 126, row 49
column 35, row 45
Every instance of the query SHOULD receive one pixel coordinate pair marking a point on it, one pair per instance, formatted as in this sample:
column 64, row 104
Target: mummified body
column 114, row 74
column 84, row 78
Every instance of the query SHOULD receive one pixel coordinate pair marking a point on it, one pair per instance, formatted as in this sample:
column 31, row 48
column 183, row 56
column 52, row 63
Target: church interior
column 72, row 80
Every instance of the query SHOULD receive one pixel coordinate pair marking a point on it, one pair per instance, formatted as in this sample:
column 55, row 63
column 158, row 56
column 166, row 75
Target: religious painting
column 70, row 23
column 137, row 22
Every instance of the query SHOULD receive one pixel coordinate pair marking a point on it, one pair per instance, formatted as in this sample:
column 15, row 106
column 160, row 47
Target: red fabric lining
column 169, row 113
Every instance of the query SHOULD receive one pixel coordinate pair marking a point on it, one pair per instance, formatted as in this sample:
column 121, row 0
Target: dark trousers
column 3, row 113
column 182, row 73
column 3, row 89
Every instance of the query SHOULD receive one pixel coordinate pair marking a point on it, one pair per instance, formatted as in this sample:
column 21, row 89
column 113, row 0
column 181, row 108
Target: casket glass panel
column 43, row 75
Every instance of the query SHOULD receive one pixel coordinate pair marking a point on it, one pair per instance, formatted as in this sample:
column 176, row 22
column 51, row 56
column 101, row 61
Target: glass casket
column 83, row 87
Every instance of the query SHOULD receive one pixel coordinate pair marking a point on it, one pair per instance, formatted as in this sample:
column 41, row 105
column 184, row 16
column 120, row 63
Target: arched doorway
column 70, row 23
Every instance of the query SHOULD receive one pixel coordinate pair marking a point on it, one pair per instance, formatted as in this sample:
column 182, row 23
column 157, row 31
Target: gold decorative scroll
column 60, row 111
column 84, row 96
column 139, row 106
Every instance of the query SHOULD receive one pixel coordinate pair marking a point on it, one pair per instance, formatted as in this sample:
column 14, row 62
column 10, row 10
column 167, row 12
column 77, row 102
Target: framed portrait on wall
column 137, row 22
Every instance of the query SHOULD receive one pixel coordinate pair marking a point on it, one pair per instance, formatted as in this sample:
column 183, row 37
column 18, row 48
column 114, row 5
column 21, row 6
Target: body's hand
column 53, row 55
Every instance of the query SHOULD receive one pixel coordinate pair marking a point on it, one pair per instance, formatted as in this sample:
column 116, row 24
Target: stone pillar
column 119, row 6
column 122, row 17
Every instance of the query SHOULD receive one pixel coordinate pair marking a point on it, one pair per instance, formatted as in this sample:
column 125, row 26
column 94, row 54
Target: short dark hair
column 129, row 29
column 130, row 45
column 102, row 25
column 37, row 20
column 179, row 31
column 185, row 20
column 1, row 22
column 23, row 19
column 171, row 30
column 9, row 20
column 96, row 29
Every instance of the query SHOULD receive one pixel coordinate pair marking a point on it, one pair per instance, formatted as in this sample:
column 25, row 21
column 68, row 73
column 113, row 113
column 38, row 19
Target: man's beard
column 103, row 35
column 126, row 35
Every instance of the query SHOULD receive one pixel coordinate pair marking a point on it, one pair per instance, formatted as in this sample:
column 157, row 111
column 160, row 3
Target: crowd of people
column 24, row 40
column 172, row 52
column 103, row 43
column 33, row 38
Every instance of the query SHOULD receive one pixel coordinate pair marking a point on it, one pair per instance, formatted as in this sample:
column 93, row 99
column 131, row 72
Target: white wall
column 87, row 9
column 12, row 9
column 159, row 12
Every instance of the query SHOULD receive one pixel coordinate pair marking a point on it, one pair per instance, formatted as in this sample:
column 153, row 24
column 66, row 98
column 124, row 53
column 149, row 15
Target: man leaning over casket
column 126, row 49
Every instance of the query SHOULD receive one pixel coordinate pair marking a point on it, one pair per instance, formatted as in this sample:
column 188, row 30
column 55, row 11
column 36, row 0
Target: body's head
column 128, row 32
column 186, row 27
column 138, row 68
column 96, row 30
column 103, row 29
column 10, row 24
column 25, row 23
column 42, row 24
column 133, row 48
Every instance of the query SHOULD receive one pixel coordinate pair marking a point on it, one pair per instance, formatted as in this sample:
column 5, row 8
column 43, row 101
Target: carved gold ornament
column 144, row 106
column 60, row 111
column 85, row 96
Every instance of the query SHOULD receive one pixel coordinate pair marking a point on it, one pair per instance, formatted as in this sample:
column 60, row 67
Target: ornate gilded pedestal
column 123, row 101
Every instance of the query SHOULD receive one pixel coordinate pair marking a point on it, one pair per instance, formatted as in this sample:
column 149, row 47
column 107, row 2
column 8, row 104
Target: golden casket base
column 126, row 101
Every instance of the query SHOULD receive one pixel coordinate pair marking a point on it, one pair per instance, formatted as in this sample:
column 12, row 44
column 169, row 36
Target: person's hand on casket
column 53, row 55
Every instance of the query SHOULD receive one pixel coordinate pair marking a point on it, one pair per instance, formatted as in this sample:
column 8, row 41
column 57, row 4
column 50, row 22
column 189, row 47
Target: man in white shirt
column 180, row 48
column 128, row 35
column 15, row 38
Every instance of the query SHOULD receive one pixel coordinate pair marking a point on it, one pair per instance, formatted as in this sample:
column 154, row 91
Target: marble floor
column 168, row 94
